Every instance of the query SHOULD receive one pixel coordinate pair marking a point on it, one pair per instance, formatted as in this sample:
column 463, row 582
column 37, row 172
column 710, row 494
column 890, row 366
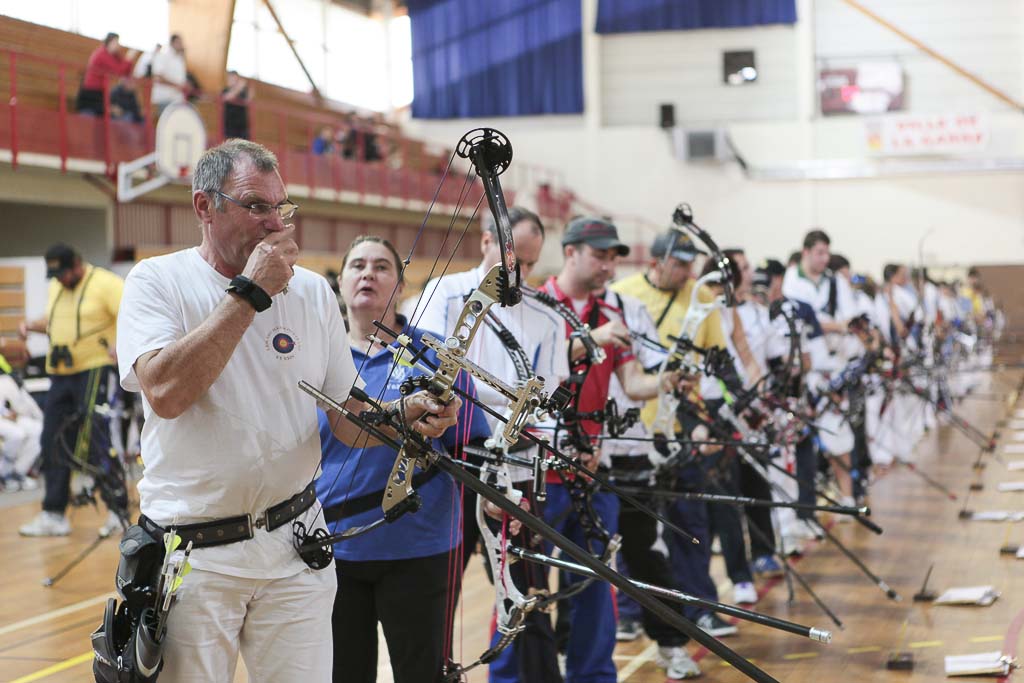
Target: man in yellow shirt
column 81, row 322
column 666, row 288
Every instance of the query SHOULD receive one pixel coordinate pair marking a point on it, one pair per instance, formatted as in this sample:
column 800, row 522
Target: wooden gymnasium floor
column 44, row 632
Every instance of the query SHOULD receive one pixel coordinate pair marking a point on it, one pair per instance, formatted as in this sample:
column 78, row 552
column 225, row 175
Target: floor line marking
column 56, row 668
column 986, row 639
column 53, row 614
column 638, row 661
column 728, row 665
column 925, row 643
column 800, row 655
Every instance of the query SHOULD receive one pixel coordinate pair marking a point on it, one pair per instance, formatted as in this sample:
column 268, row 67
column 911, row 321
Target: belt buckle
column 259, row 521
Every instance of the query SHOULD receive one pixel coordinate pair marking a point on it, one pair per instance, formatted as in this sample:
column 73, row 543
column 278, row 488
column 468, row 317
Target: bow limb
column 664, row 423
column 510, row 605
column 491, row 153
column 580, row 330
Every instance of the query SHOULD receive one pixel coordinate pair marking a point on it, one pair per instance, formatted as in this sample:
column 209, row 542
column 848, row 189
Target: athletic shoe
column 744, row 593
column 112, row 525
column 46, row 524
column 767, row 567
column 678, row 663
column 807, row 530
column 628, row 630
column 714, row 625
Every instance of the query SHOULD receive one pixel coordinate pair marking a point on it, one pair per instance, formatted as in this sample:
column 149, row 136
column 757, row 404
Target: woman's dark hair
column 110, row 36
column 733, row 272
column 837, row 262
column 399, row 266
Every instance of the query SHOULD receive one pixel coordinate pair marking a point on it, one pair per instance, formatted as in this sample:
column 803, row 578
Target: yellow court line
column 986, row 639
column 925, row 643
column 866, row 648
column 801, row 655
column 727, row 664
column 53, row 614
column 56, row 668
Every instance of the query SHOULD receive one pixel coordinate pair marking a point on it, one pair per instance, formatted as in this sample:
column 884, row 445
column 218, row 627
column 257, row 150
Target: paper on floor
column 983, row 663
column 969, row 595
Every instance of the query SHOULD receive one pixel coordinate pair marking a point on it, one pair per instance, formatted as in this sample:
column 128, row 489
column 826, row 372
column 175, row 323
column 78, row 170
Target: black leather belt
column 369, row 501
column 238, row 528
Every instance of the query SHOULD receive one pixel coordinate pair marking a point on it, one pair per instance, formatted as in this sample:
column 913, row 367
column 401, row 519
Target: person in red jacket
column 105, row 62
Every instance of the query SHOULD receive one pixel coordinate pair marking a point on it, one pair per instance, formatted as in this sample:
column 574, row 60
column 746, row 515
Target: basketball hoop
column 180, row 141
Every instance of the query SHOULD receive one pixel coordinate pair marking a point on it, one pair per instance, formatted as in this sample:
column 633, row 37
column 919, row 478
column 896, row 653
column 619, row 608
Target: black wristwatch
column 251, row 292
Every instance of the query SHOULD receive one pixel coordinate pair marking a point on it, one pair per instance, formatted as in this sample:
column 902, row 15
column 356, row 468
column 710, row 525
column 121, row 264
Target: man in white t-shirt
column 170, row 75
column 217, row 338
column 536, row 327
column 539, row 332
column 832, row 300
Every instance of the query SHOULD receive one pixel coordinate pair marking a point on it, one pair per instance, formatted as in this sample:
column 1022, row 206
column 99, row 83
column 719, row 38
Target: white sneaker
column 807, row 531
column 744, row 593
column 678, row 663
column 46, row 524
column 112, row 525
column 792, row 545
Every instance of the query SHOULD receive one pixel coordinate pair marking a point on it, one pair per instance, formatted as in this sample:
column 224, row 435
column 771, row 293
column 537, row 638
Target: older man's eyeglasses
column 285, row 209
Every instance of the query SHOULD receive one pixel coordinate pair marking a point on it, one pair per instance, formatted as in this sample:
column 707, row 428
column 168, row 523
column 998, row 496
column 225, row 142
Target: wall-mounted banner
column 927, row 134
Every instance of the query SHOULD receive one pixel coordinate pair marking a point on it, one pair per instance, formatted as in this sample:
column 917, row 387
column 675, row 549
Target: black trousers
column 645, row 562
column 806, row 472
column 64, row 416
column 759, row 519
column 409, row 598
column 725, row 520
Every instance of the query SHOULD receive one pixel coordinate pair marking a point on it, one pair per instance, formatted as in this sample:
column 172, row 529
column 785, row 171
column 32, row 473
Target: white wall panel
column 640, row 71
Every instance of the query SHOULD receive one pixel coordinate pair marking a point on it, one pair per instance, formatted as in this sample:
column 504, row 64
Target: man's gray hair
column 218, row 162
column 516, row 215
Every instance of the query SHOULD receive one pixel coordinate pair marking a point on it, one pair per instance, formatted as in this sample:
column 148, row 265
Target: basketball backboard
column 180, row 141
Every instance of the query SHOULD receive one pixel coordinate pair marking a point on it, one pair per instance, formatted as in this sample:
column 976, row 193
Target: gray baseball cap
column 597, row 232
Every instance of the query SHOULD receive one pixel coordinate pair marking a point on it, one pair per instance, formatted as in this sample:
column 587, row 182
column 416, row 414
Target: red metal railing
column 374, row 163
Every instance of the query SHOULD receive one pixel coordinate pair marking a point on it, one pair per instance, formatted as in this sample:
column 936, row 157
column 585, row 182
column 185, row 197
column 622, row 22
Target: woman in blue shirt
column 402, row 574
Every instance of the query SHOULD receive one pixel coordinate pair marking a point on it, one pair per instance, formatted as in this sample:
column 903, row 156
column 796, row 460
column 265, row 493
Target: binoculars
column 61, row 354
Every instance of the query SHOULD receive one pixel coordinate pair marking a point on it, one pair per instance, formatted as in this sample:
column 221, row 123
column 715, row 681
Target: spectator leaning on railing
column 237, row 96
column 170, row 75
column 106, row 61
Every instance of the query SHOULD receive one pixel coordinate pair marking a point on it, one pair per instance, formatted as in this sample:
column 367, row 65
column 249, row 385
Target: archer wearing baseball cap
column 60, row 259
column 676, row 245
column 81, row 324
column 595, row 232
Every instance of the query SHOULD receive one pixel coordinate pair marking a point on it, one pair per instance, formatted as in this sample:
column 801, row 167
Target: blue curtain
column 628, row 16
column 473, row 58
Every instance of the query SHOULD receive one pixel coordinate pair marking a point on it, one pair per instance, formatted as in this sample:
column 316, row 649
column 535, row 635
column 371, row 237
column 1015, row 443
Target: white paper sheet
column 982, row 663
column 968, row 595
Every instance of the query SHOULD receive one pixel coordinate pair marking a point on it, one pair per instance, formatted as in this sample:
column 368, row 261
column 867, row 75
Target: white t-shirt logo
column 283, row 341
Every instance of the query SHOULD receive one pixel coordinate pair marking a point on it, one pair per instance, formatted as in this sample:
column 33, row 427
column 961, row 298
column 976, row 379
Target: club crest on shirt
column 398, row 374
column 283, row 341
